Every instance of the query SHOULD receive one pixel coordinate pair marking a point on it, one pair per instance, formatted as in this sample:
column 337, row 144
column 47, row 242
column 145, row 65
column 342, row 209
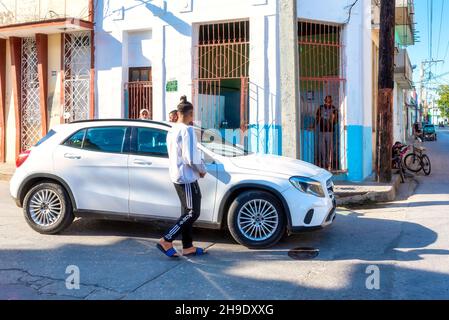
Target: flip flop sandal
column 171, row 253
column 197, row 252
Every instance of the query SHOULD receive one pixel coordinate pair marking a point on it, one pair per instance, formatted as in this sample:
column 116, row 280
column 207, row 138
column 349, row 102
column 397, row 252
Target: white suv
column 118, row 169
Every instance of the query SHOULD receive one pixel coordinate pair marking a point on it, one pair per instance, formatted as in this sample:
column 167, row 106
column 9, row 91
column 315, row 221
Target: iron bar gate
column 139, row 95
column 30, row 113
column 76, row 81
column 222, row 71
column 322, row 94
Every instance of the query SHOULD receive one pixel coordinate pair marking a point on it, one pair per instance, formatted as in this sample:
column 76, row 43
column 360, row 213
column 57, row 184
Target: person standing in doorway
column 173, row 116
column 326, row 121
column 186, row 167
column 144, row 114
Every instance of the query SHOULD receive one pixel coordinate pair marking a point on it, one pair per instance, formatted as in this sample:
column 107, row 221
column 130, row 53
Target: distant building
column 46, row 70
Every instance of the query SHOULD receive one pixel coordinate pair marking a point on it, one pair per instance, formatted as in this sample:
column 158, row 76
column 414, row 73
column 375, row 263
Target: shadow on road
column 351, row 237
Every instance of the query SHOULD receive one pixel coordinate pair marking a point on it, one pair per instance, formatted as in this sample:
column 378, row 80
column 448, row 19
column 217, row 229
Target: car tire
column 47, row 208
column 246, row 206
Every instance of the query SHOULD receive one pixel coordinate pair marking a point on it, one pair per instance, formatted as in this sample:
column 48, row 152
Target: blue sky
column 440, row 40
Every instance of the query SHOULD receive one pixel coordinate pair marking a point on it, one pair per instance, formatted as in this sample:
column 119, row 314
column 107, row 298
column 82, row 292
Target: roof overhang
column 45, row 27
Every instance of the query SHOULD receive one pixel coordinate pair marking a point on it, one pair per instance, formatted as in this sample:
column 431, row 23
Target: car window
column 76, row 140
column 105, row 139
column 152, row 142
column 50, row 134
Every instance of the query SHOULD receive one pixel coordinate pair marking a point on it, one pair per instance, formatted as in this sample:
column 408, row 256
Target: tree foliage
column 443, row 101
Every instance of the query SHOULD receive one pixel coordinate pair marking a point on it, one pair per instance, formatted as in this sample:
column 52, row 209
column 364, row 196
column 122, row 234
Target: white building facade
column 224, row 55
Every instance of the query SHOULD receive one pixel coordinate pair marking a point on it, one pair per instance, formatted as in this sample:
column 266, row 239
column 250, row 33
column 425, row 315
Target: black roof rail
column 126, row 120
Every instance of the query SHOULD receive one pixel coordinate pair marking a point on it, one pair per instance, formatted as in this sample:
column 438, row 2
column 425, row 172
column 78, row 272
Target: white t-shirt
column 185, row 162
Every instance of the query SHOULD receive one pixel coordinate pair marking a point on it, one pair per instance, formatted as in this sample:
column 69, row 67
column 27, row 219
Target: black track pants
column 190, row 196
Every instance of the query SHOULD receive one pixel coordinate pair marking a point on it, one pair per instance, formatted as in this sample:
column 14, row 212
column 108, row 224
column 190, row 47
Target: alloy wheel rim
column 45, row 207
column 258, row 220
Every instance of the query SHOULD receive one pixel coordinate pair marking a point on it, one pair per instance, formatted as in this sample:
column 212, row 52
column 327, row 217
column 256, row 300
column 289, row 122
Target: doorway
column 139, row 92
column 220, row 87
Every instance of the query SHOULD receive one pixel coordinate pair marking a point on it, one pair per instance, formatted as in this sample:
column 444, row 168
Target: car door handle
column 142, row 163
column 71, row 156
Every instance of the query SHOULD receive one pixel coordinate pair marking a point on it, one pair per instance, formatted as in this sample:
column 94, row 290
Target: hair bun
column 183, row 99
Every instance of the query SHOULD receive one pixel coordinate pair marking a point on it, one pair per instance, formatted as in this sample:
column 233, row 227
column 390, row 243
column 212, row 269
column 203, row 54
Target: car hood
column 279, row 165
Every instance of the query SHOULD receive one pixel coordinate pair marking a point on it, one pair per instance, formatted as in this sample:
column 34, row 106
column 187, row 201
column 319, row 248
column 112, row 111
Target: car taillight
column 22, row 157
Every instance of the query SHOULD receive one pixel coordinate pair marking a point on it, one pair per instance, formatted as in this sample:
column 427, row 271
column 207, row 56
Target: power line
column 441, row 25
column 429, row 40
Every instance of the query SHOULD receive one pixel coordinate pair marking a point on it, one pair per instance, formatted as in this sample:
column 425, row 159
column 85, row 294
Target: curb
column 372, row 196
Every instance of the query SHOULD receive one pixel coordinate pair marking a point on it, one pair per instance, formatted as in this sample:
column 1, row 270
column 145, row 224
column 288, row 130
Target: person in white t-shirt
column 186, row 167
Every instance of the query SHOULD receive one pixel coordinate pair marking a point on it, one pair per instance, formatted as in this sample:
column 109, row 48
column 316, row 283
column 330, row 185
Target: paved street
column 407, row 240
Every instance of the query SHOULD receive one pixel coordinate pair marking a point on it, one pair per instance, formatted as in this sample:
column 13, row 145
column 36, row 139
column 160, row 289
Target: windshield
column 215, row 142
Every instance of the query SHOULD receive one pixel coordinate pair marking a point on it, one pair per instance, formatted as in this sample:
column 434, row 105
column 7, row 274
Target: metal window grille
column 30, row 114
column 321, row 72
column 77, row 56
column 222, row 54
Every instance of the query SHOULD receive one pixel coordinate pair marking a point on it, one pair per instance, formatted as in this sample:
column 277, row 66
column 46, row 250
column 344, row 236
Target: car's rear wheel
column 47, row 208
column 256, row 219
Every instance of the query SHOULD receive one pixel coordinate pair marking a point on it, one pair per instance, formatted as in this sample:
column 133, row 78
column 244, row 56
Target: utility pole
column 384, row 134
column 289, row 78
column 424, row 102
column 421, row 88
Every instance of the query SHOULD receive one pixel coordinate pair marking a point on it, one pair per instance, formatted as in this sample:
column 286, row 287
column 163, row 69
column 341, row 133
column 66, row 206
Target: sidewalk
column 368, row 191
column 6, row 171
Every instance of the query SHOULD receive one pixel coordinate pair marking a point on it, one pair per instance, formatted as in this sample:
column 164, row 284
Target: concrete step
column 348, row 193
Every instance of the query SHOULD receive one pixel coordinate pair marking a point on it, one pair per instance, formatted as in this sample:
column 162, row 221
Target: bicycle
column 399, row 151
column 417, row 160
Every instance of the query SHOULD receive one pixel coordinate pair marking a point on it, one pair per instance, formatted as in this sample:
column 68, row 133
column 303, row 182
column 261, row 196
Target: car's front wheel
column 256, row 219
column 47, row 208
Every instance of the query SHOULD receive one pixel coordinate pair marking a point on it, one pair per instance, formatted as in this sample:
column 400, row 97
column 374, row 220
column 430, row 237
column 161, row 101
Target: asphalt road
column 406, row 242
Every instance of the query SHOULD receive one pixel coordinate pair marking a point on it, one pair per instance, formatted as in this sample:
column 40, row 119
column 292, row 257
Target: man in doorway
column 173, row 116
column 326, row 121
column 144, row 114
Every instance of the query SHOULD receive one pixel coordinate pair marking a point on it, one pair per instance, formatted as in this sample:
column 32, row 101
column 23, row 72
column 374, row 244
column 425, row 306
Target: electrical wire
column 441, row 26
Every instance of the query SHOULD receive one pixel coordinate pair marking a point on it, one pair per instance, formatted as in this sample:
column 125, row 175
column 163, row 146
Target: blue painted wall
column 264, row 138
column 268, row 139
column 359, row 145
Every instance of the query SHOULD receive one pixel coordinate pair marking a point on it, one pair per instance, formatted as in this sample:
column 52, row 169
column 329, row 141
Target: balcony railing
column 405, row 11
column 25, row 11
column 403, row 71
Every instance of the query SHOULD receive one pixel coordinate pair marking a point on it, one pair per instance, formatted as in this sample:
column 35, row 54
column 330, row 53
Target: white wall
column 174, row 35
column 170, row 50
column 140, row 47
column 399, row 114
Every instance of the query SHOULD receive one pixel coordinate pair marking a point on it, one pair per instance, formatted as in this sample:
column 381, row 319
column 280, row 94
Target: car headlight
column 308, row 185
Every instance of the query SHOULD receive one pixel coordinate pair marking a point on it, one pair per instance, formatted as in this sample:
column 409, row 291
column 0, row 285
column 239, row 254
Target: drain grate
column 303, row 253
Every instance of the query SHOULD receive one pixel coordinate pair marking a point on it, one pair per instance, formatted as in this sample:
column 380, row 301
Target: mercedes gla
column 118, row 169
